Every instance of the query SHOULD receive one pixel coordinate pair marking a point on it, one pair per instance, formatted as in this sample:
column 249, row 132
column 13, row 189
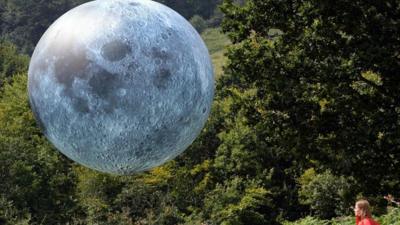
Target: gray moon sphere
column 121, row 86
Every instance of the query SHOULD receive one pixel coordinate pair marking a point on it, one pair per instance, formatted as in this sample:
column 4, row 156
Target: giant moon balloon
column 121, row 86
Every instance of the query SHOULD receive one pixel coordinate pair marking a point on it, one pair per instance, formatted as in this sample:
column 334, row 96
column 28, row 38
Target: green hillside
column 216, row 42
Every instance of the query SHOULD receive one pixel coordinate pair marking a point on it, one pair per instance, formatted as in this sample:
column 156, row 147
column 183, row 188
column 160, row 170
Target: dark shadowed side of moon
column 121, row 86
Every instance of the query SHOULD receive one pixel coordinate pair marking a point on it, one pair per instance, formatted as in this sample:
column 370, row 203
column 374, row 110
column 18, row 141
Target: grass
column 216, row 42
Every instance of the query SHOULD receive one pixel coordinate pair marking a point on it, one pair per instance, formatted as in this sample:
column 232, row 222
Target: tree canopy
column 322, row 92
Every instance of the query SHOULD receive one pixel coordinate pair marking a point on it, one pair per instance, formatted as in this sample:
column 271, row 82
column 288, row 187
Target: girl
column 363, row 214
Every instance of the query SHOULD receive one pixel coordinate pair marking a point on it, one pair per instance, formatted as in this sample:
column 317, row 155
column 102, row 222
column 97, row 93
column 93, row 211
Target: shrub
column 392, row 218
column 11, row 62
column 326, row 194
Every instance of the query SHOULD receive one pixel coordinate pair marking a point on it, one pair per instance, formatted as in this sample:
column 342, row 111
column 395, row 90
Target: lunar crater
column 159, row 53
column 162, row 78
column 115, row 50
column 134, row 4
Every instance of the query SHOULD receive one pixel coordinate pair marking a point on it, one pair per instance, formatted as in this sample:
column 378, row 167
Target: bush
column 11, row 215
column 315, row 221
column 36, row 182
column 392, row 218
column 11, row 62
column 326, row 194
column 237, row 202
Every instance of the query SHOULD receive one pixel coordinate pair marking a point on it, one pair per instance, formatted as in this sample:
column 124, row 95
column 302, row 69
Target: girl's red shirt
column 365, row 221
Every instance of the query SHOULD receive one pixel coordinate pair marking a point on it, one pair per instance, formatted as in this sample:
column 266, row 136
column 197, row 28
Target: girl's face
column 357, row 211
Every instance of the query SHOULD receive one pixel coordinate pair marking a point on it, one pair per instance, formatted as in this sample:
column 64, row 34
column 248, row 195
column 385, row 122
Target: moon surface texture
column 121, row 86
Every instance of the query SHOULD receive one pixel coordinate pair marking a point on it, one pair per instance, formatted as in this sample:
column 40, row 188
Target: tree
column 327, row 195
column 37, row 184
column 238, row 202
column 23, row 22
column 321, row 92
column 11, row 62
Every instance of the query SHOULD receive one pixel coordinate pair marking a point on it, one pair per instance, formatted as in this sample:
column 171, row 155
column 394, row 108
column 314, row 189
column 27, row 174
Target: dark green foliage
column 36, row 182
column 11, row 62
column 323, row 89
column 327, row 195
column 144, row 199
column 198, row 23
column 23, row 22
column 238, row 202
column 216, row 19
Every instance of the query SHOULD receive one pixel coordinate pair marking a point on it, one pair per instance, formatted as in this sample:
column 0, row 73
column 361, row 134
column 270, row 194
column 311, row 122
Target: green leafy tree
column 238, row 202
column 144, row 198
column 328, row 195
column 23, row 22
column 321, row 92
column 11, row 62
column 36, row 181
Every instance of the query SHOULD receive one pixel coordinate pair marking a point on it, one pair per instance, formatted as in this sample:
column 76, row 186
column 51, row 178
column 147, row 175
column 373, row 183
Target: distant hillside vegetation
column 216, row 42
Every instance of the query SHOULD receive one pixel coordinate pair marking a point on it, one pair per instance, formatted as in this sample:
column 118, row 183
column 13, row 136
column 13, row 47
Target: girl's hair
column 363, row 205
